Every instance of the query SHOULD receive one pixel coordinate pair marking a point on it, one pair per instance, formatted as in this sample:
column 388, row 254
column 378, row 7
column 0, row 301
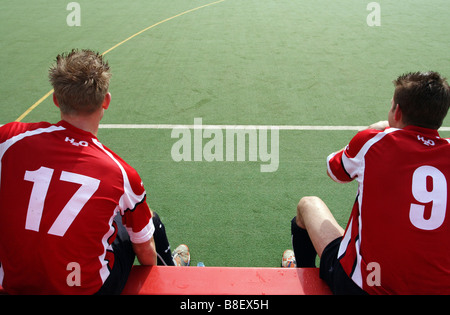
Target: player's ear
column 106, row 101
column 55, row 100
column 398, row 115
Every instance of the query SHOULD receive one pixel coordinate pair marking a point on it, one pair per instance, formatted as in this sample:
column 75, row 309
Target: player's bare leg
column 314, row 216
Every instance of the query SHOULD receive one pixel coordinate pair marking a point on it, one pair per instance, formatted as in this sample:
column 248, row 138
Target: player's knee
column 306, row 204
column 304, row 207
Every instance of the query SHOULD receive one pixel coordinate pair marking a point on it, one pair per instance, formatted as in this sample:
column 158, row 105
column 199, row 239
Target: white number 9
column 437, row 196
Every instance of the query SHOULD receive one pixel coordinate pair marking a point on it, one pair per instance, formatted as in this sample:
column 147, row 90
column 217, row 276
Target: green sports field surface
column 230, row 62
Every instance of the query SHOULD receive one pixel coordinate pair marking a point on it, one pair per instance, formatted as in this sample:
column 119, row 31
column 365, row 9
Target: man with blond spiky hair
column 73, row 214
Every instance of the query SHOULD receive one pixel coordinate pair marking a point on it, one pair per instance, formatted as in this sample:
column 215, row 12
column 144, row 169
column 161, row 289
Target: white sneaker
column 288, row 260
column 181, row 256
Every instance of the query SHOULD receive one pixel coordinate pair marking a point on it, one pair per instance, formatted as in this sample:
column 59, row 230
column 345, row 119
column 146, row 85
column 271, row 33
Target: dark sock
column 305, row 253
column 161, row 242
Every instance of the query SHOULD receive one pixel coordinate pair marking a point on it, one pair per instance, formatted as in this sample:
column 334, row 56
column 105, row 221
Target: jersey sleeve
column 336, row 169
column 139, row 223
column 342, row 166
column 133, row 207
column 136, row 214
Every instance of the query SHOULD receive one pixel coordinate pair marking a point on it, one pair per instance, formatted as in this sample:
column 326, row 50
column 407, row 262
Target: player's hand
column 381, row 125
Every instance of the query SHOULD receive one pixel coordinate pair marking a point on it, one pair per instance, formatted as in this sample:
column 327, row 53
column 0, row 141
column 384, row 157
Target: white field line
column 244, row 127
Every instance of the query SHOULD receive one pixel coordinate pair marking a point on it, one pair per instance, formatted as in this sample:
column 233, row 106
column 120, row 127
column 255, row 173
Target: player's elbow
column 328, row 173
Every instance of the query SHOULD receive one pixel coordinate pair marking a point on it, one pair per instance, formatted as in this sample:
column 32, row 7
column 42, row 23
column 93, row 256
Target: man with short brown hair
column 398, row 235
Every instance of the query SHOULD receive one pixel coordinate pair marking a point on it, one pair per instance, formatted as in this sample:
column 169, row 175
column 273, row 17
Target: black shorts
column 123, row 261
column 333, row 274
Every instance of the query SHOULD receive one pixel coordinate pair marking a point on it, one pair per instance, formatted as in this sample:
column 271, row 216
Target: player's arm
column 335, row 167
column 381, row 125
column 329, row 172
column 342, row 166
column 146, row 252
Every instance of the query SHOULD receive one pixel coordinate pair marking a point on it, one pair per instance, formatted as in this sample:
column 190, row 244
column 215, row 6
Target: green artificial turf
column 234, row 62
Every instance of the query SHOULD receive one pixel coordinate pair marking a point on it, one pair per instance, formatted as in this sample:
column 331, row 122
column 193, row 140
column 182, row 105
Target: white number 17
column 41, row 181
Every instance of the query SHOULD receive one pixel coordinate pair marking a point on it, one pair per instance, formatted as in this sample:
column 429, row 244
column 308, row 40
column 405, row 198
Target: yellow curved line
column 34, row 105
column 117, row 45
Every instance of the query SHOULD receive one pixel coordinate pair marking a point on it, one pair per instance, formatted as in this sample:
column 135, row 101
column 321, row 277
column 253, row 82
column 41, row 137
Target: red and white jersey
column 60, row 190
column 397, row 239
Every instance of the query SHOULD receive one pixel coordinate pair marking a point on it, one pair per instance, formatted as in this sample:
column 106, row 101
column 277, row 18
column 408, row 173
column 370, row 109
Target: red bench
column 224, row 281
column 161, row 280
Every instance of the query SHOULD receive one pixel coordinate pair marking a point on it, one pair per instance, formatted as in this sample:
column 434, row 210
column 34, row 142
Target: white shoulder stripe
column 355, row 165
column 4, row 146
column 129, row 199
column 2, row 274
column 8, row 143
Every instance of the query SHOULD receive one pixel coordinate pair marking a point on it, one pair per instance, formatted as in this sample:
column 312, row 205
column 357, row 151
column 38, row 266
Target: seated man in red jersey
column 398, row 235
column 73, row 214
